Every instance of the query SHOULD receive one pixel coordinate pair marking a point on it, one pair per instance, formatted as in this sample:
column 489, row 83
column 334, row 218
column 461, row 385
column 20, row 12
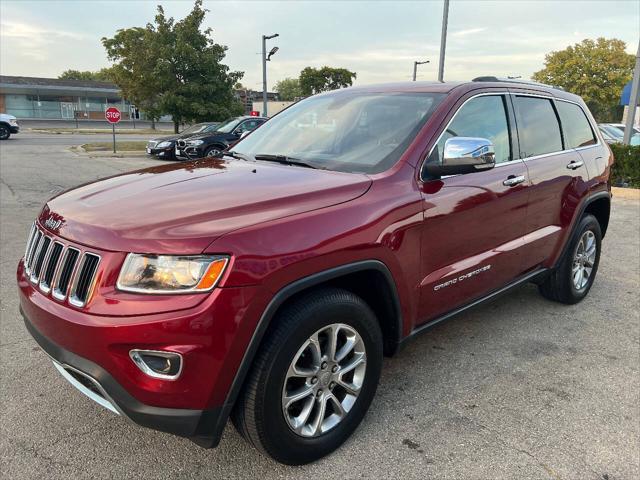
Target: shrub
column 626, row 169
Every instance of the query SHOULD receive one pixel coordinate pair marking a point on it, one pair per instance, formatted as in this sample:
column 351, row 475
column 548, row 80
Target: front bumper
column 14, row 128
column 212, row 336
column 161, row 152
column 202, row 426
column 189, row 152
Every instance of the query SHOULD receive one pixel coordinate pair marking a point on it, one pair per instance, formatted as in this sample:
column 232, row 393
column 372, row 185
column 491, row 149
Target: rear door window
column 575, row 126
column 538, row 127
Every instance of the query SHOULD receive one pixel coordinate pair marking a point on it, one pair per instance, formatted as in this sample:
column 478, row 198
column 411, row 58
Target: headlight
column 13, row 121
column 193, row 143
column 163, row 144
column 170, row 273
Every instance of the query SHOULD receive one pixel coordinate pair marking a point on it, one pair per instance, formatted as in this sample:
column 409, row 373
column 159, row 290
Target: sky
column 379, row 40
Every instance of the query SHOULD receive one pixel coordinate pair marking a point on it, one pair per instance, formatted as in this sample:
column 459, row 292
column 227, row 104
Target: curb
column 78, row 150
column 628, row 193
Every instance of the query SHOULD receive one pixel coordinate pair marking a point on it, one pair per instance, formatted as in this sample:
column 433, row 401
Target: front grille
column 60, row 269
column 151, row 143
column 84, row 279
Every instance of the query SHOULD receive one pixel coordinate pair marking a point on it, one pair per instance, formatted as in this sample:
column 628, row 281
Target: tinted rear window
column 575, row 126
column 538, row 126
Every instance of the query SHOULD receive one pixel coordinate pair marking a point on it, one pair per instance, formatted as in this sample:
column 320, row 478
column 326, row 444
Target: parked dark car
column 164, row 147
column 213, row 143
column 266, row 285
column 8, row 125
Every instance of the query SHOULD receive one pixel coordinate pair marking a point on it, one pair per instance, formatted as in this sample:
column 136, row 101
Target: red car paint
column 280, row 224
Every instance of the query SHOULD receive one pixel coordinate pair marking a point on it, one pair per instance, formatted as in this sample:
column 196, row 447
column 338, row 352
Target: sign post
column 112, row 115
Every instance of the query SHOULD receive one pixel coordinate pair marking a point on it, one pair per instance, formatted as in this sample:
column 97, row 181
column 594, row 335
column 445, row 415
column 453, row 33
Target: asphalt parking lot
column 519, row 388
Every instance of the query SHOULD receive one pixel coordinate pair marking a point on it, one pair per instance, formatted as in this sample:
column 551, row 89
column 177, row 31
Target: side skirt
column 491, row 296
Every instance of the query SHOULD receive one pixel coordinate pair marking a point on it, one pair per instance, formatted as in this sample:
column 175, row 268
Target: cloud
column 470, row 31
column 32, row 40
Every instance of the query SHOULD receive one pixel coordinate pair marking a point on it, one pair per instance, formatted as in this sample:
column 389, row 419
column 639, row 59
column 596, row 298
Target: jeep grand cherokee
column 273, row 283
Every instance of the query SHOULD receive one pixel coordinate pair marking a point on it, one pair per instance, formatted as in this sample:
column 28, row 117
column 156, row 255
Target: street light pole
column 264, row 72
column 633, row 100
column 415, row 68
column 443, row 40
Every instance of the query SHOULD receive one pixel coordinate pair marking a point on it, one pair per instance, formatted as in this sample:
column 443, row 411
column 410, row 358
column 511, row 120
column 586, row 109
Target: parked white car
column 614, row 133
column 8, row 125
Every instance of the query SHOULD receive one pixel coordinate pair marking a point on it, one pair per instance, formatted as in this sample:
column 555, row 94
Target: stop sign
column 112, row 114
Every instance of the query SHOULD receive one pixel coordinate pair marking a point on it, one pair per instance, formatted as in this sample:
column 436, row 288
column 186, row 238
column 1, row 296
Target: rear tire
column 296, row 356
column 572, row 279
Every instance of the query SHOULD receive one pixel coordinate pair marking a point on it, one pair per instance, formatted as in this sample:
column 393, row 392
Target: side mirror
column 464, row 155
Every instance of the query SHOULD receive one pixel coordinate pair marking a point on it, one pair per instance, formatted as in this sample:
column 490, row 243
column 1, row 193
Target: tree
column 314, row 80
column 175, row 68
column 597, row 70
column 136, row 54
column 288, row 89
column 102, row 75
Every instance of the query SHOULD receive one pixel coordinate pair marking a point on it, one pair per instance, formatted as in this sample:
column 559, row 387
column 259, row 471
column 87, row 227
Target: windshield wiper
column 236, row 155
column 285, row 160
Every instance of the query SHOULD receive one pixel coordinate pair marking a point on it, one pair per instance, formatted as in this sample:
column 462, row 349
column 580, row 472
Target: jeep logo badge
column 52, row 223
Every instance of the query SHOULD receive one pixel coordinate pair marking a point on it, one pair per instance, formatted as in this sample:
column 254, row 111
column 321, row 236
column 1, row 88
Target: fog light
column 158, row 364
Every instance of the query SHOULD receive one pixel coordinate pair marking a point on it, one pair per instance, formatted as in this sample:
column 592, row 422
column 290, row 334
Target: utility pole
column 633, row 100
column 264, row 71
column 443, row 40
column 415, row 68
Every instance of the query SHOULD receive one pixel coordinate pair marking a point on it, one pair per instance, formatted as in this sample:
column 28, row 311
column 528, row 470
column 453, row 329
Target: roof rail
column 490, row 78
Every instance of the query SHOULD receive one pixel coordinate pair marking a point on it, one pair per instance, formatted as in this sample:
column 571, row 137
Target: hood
column 169, row 138
column 177, row 136
column 204, row 135
column 183, row 207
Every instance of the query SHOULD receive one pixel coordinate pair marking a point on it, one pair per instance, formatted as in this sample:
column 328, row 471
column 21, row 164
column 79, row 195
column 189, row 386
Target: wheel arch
column 600, row 208
column 382, row 298
column 597, row 204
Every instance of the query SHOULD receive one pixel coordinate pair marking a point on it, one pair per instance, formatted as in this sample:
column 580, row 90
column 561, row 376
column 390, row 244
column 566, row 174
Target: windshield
column 198, row 127
column 613, row 131
column 228, row 125
column 346, row 131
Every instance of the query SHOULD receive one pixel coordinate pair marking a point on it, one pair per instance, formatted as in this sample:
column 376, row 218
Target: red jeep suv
column 272, row 283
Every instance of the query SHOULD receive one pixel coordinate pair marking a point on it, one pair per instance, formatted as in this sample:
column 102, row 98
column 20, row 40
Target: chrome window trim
column 73, row 285
column 566, row 150
column 55, row 292
column 523, row 159
column 483, row 94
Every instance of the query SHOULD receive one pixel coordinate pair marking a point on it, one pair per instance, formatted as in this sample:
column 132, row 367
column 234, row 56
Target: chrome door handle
column 573, row 165
column 513, row 180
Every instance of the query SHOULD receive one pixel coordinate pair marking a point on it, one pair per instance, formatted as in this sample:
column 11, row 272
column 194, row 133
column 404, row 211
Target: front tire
column 313, row 379
column 571, row 281
column 5, row 133
column 214, row 151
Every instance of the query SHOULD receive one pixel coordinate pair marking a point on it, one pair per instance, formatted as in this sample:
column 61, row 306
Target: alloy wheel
column 324, row 380
column 584, row 260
